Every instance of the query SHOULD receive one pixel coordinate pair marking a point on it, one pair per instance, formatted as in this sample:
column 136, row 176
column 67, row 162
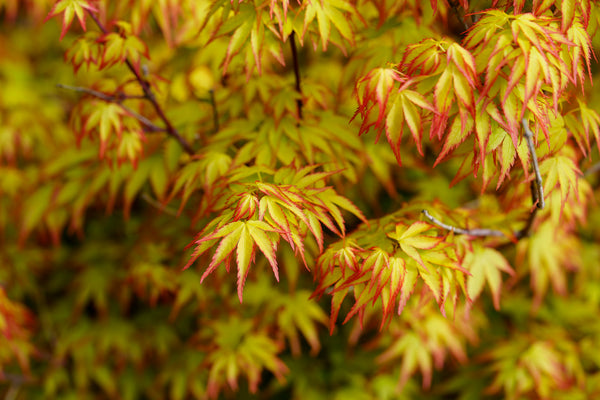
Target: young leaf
column 560, row 171
column 70, row 8
column 485, row 264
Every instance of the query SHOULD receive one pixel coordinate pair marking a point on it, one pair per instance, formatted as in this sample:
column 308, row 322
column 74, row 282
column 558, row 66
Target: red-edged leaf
column 71, row 8
column 442, row 93
column 268, row 247
column 226, row 247
column 245, row 251
column 409, row 282
column 568, row 14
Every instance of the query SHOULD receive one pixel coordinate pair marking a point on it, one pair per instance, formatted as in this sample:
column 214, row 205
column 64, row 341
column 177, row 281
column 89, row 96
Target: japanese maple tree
column 197, row 201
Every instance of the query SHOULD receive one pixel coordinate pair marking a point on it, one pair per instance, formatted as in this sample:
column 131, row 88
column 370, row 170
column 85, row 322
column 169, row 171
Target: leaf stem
column 461, row 231
column 292, row 39
column 149, row 95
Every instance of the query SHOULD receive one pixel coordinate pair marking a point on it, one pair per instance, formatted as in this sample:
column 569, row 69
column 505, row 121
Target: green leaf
column 485, row 264
column 35, row 207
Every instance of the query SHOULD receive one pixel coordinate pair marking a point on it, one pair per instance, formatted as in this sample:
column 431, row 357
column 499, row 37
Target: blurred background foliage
column 93, row 301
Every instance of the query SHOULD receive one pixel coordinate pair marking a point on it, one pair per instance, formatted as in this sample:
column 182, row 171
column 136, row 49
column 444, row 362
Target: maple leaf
column 240, row 351
column 548, row 264
column 130, row 147
column 404, row 110
column 423, row 346
column 16, row 322
column 375, row 87
column 485, row 264
column 388, row 271
column 581, row 51
column 108, row 118
column 425, row 57
column 458, row 78
column 537, row 364
column 297, row 203
column 122, row 45
column 243, row 237
column 71, row 8
column 298, row 313
column 85, row 49
column 414, row 355
column 521, row 56
column 327, row 13
column 589, row 122
column 560, row 171
column 244, row 24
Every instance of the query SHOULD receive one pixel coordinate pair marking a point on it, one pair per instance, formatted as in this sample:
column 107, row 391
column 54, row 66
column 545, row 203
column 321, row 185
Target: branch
column 527, row 229
column 539, row 185
column 152, row 127
column 148, row 94
column 292, row 39
column 537, row 197
column 461, row 231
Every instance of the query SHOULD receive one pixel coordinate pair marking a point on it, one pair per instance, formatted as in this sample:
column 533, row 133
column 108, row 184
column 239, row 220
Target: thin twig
column 592, row 170
column 292, row 39
column 170, row 129
column 152, row 127
column 213, row 104
column 158, row 205
column 461, row 231
column 523, row 233
column 16, row 379
column 539, row 185
column 454, row 6
column 12, row 393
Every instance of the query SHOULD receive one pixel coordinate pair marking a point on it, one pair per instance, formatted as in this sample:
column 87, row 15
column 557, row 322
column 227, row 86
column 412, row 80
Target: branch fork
column 537, row 197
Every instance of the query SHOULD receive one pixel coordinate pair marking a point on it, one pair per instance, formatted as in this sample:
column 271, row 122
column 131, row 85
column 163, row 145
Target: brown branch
column 152, row 127
column 149, row 95
column 292, row 39
column 471, row 232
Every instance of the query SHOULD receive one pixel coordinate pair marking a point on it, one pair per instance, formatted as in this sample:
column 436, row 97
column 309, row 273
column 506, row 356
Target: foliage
column 146, row 147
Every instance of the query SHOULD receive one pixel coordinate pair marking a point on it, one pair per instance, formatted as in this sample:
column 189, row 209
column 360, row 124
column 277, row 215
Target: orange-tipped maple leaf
column 69, row 9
